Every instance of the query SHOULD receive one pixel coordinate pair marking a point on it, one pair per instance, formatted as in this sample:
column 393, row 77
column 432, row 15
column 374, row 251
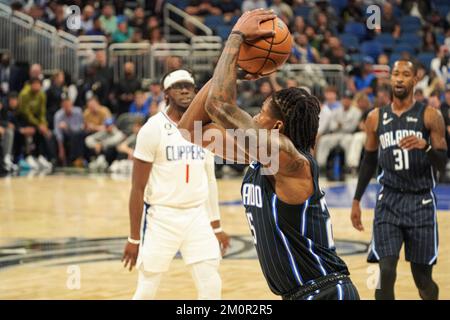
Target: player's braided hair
column 299, row 112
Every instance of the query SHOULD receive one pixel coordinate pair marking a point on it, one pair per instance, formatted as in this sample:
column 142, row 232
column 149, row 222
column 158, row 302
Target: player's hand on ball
column 249, row 24
column 224, row 241
column 356, row 216
column 412, row 142
column 130, row 255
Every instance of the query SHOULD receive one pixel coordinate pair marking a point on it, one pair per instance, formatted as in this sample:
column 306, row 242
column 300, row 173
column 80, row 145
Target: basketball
column 264, row 56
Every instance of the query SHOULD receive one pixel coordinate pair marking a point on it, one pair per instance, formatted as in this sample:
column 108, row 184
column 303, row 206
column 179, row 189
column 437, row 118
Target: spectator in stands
column 331, row 98
column 264, row 91
column 95, row 115
column 36, row 12
column 69, row 133
column 364, row 79
column 384, row 94
column 6, row 140
column 156, row 98
column 97, row 29
column 298, row 25
column 363, row 103
column 140, row 105
column 138, row 21
column 198, row 9
column 335, row 52
column 59, row 21
column 174, row 63
column 102, row 145
column 419, row 96
column 429, row 43
column 445, row 110
column 126, row 87
column 352, row 12
column 87, row 18
column 324, row 123
column 434, row 100
column 32, row 109
column 137, row 36
column 5, row 73
column 441, row 65
column 123, row 32
column 302, row 52
column 125, row 150
column 282, row 10
column 156, row 36
column 423, row 79
column 104, row 74
column 54, row 94
column 108, row 19
column 152, row 23
column 323, row 16
column 344, row 122
column 248, row 5
column 389, row 22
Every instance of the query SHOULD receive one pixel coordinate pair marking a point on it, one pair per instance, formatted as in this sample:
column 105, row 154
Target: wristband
column 428, row 148
column 218, row 230
column 132, row 241
column 239, row 33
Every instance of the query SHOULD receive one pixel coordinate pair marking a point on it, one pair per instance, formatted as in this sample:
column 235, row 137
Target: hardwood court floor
column 61, row 207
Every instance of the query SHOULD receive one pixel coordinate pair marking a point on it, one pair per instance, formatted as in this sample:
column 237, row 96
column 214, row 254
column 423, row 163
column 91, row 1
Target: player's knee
column 148, row 283
column 388, row 268
column 207, row 279
column 422, row 276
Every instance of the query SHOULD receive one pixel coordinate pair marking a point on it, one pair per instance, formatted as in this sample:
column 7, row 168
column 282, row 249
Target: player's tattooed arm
column 437, row 154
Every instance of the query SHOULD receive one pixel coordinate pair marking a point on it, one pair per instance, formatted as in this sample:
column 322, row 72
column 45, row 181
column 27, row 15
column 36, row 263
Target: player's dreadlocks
column 299, row 111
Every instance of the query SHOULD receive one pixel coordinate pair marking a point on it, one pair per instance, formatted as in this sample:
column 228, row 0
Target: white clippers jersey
column 178, row 177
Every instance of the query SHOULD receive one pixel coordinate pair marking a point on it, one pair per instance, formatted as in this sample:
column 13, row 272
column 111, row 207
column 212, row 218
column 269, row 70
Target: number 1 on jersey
column 401, row 159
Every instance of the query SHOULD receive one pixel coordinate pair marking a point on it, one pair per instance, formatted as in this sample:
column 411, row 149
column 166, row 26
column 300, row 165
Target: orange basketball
column 264, row 56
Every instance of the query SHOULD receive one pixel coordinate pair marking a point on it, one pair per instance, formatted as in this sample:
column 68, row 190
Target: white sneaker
column 44, row 163
column 93, row 165
column 102, row 164
column 115, row 166
column 34, row 165
column 9, row 164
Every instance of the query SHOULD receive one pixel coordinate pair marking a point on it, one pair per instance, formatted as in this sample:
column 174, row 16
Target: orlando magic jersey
column 404, row 170
column 294, row 243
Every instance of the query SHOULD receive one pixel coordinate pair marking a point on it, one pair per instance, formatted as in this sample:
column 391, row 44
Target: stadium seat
column 338, row 5
column 356, row 57
column 349, row 41
column 402, row 47
column 410, row 24
column 182, row 4
column 386, row 40
column 394, row 57
column 302, row 11
column 223, row 31
column 440, row 39
column 443, row 9
column 425, row 58
column 412, row 39
column 213, row 21
column 371, row 48
column 356, row 28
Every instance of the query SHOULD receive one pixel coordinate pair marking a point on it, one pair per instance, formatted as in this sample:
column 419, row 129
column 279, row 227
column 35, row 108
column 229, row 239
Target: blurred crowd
column 48, row 121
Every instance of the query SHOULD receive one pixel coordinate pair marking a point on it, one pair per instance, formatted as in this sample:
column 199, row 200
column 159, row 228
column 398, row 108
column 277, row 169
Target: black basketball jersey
column 409, row 171
column 294, row 242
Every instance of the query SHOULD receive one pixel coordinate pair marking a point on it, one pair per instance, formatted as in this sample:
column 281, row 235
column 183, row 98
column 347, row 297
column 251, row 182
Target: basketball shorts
column 165, row 231
column 405, row 218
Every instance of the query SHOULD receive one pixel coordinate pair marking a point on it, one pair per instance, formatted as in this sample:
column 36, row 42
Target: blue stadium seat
column 223, row 31
column 394, row 57
column 412, row 39
column 233, row 20
column 338, row 5
column 213, row 21
column 425, row 58
column 302, row 11
column 440, row 39
column 410, row 24
column 371, row 48
column 402, row 47
column 349, row 41
column 182, row 4
column 443, row 9
column 386, row 40
column 356, row 28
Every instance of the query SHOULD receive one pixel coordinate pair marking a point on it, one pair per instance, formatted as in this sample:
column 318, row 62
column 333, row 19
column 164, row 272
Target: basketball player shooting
column 173, row 191
column 407, row 140
column 286, row 210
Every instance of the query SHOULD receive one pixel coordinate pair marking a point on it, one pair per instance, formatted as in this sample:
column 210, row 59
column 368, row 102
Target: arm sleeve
column 114, row 139
column 366, row 172
column 147, row 142
column 438, row 158
column 212, row 204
